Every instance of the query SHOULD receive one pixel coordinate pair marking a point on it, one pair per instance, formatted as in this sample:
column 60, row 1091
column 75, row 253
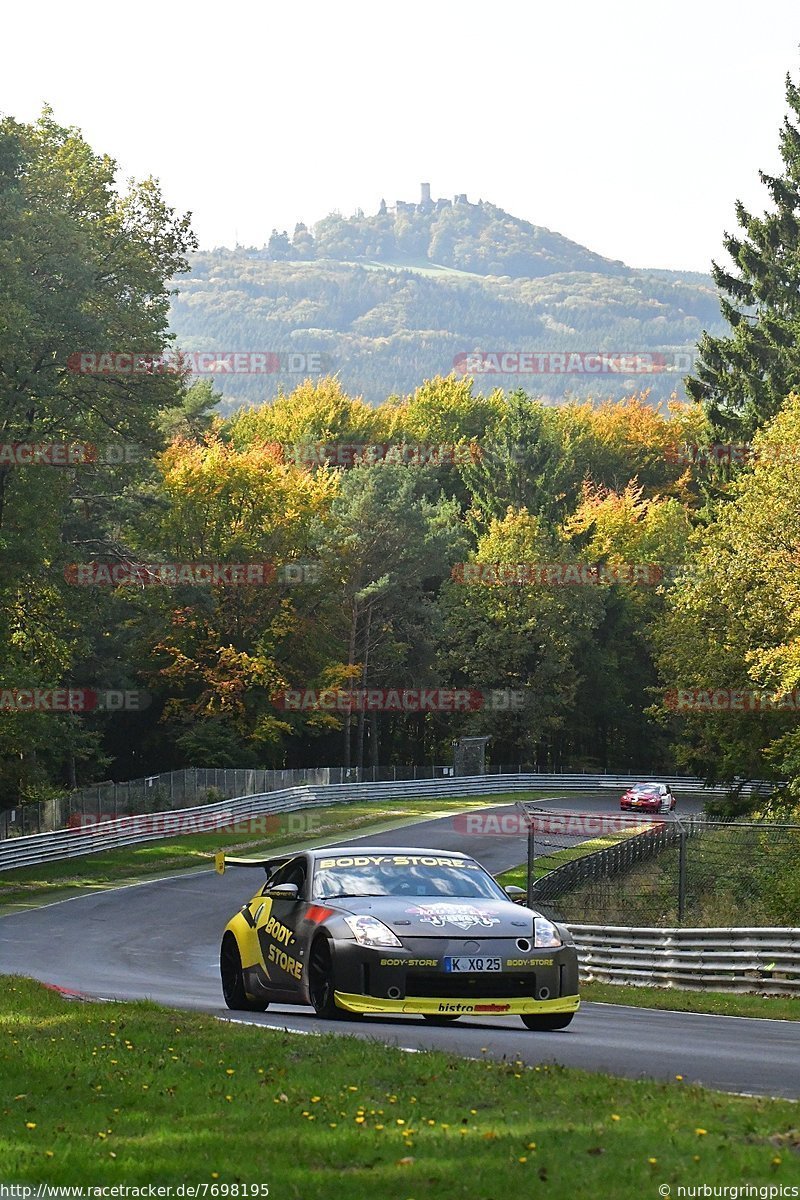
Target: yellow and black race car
column 425, row 932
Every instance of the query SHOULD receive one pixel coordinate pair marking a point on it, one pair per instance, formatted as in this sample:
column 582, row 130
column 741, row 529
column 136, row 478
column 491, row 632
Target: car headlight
column 369, row 931
column 545, row 933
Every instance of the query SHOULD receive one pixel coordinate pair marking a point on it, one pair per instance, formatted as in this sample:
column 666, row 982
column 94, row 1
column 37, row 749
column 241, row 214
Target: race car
column 648, row 797
column 376, row 930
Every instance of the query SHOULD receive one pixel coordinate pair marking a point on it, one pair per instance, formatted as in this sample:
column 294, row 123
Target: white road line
column 690, row 1012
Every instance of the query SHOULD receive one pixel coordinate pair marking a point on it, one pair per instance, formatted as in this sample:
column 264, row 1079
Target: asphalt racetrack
column 160, row 940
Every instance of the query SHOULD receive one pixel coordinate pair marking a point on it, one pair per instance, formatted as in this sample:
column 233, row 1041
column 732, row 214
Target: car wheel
column 439, row 1018
column 546, row 1022
column 230, row 969
column 321, row 984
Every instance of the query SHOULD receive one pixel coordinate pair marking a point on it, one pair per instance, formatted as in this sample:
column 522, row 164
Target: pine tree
column 744, row 378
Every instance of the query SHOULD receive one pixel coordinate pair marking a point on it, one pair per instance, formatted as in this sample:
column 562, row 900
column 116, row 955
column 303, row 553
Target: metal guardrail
column 124, row 831
column 763, row 960
column 190, row 788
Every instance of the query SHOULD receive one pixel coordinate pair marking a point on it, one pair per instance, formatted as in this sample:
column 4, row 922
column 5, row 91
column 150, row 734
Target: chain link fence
column 188, row 788
column 676, row 872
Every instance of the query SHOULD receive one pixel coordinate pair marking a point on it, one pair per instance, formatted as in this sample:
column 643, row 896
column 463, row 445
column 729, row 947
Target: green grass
column 728, row 1004
column 131, row 1093
column 419, row 266
column 545, row 863
column 308, row 826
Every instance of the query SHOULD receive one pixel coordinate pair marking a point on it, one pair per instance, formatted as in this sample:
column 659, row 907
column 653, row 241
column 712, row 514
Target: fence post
column 531, row 857
column 682, row 876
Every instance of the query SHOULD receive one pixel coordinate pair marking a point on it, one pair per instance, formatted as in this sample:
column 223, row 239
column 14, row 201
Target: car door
column 277, row 916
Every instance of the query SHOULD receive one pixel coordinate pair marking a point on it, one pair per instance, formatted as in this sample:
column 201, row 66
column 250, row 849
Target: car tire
column 230, row 969
column 439, row 1018
column 321, row 985
column 546, row 1021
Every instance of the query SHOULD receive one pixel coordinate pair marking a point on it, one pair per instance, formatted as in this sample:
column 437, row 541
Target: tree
column 744, row 377
column 300, row 423
column 279, row 246
column 734, row 621
column 527, row 639
column 526, row 461
column 392, row 546
column 194, row 415
column 302, row 243
column 84, row 270
column 625, row 530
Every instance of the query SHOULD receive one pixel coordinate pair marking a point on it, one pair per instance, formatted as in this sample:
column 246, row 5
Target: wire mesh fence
column 182, row 789
column 199, row 785
column 673, row 872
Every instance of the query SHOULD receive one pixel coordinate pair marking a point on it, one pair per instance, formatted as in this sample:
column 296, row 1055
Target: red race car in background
column 648, row 797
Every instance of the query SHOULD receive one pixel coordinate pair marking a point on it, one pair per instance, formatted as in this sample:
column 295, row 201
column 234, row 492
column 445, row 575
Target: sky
column 630, row 127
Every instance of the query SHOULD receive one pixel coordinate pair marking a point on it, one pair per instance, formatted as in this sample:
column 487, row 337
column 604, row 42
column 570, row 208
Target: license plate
column 473, row 964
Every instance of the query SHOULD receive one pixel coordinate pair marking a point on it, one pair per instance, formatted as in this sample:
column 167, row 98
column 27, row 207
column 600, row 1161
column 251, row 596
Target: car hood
column 431, row 916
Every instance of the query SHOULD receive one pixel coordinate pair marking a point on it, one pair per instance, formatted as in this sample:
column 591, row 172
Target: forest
column 613, row 584
column 383, row 327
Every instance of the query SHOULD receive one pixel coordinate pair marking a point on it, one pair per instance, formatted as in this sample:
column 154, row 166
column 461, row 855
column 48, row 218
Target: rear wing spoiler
column 223, row 860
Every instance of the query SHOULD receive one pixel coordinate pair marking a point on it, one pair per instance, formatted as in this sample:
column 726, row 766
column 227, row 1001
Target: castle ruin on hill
column 425, row 204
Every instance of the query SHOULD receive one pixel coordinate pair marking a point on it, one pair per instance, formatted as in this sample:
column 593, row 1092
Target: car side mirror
column 283, row 891
column 515, row 893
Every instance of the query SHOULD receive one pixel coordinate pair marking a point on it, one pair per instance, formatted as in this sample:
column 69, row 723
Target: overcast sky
column 630, row 126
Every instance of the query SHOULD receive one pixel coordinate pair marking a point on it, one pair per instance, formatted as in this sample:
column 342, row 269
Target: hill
column 388, row 300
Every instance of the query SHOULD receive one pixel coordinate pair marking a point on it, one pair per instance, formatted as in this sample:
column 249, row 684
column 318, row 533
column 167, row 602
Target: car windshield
column 402, row 875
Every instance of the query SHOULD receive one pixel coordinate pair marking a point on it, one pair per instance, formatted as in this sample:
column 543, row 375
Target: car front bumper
column 415, row 979
column 443, row 1006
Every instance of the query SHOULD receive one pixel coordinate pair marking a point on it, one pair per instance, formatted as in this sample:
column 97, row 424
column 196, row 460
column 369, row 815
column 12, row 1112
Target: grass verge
column 308, row 826
column 726, row 1004
column 132, row 1093
column 545, row 863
